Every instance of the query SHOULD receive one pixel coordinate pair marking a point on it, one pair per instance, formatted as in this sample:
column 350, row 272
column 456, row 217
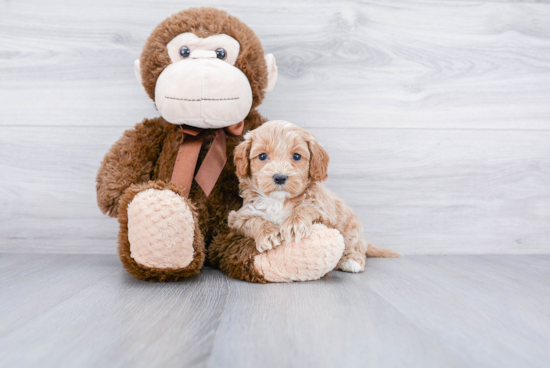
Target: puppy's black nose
column 279, row 179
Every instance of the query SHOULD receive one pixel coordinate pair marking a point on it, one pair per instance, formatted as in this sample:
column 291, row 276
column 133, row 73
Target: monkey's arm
column 264, row 233
column 129, row 161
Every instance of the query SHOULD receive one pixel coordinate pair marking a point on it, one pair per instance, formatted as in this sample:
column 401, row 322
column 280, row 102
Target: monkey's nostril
column 279, row 179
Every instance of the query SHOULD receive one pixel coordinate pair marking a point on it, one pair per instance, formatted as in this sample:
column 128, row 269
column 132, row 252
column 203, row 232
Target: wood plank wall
column 436, row 114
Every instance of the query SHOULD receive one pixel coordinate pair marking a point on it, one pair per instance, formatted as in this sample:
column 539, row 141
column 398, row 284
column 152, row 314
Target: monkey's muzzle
column 203, row 92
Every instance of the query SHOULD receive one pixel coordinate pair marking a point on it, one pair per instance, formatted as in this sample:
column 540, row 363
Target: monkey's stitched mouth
column 202, row 99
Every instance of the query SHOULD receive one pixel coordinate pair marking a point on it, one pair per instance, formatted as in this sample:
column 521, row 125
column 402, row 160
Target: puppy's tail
column 373, row 251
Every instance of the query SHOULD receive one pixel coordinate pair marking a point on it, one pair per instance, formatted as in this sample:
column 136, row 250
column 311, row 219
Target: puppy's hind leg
column 353, row 259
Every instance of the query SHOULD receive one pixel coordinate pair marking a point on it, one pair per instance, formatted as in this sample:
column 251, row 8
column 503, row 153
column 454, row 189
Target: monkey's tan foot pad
column 309, row 259
column 160, row 229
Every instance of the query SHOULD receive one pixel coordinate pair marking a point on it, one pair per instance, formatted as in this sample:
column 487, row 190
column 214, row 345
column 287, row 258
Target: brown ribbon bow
column 213, row 162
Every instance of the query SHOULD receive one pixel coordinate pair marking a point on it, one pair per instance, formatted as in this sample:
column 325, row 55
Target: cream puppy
column 281, row 168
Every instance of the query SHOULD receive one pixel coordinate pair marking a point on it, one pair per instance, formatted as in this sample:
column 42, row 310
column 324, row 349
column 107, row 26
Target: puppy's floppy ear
column 318, row 163
column 241, row 157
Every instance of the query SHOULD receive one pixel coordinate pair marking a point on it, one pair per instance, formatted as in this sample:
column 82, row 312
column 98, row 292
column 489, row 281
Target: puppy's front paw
column 296, row 229
column 268, row 240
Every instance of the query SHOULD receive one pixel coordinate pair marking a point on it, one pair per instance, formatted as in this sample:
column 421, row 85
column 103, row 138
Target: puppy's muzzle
column 279, row 179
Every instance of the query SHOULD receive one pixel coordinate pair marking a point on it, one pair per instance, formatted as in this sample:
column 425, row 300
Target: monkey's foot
column 160, row 229
column 159, row 238
column 309, row 259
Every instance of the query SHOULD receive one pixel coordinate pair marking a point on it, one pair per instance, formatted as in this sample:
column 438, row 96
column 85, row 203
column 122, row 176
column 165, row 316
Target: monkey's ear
column 137, row 71
column 241, row 158
column 271, row 72
column 318, row 164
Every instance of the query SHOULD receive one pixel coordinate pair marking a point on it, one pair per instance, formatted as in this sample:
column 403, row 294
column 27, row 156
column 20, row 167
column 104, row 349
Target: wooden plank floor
column 415, row 311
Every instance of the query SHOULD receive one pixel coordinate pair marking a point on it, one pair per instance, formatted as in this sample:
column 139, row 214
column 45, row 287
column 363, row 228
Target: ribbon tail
column 184, row 168
column 213, row 163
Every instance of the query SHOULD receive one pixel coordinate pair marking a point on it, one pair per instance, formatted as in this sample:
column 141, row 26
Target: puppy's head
column 280, row 159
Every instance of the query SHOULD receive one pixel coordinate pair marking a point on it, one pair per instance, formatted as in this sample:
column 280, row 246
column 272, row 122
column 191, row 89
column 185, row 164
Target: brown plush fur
column 205, row 22
column 234, row 255
column 144, row 157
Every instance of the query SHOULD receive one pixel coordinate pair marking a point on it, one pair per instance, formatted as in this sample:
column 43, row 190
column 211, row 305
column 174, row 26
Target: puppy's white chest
column 272, row 209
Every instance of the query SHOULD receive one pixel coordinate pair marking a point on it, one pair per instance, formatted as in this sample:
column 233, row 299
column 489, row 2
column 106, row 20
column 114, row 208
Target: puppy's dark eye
column 262, row 156
column 296, row 157
column 185, row 52
column 221, row 54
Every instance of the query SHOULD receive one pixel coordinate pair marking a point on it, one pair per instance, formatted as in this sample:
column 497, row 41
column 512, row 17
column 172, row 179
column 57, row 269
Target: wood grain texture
column 48, row 199
column 47, row 280
column 415, row 191
column 114, row 321
column 415, row 64
column 416, row 311
column 435, row 113
column 461, row 192
column 470, row 302
column 339, row 322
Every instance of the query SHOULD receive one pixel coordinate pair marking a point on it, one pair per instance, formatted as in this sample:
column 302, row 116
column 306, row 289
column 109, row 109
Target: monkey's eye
column 262, row 156
column 185, row 52
column 221, row 54
column 296, row 157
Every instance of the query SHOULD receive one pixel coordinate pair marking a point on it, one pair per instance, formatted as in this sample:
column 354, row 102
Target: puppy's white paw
column 350, row 266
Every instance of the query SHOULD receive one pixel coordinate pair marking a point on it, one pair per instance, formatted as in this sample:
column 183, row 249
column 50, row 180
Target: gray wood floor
column 415, row 311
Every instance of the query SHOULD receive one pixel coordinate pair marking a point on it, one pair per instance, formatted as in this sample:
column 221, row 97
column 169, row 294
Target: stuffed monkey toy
column 171, row 180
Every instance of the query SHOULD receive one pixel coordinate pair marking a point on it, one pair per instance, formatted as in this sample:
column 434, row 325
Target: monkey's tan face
column 279, row 160
column 202, row 87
